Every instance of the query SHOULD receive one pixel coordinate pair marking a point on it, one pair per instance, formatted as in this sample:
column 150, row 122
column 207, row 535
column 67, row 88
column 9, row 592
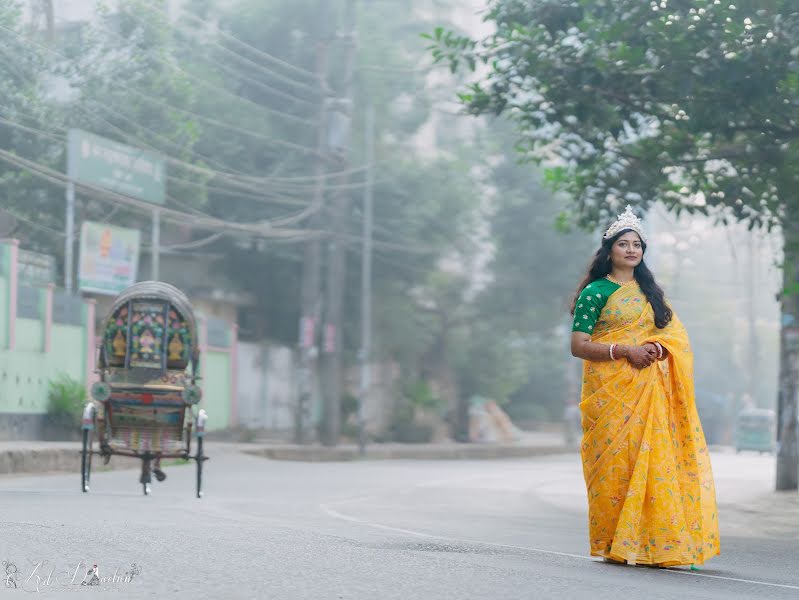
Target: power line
column 222, row 125
column 261, row 197
column 403, row 244
column 268, row 88
column 261, row 53
column 268, row 229
column 232, row 176
column 210, row 85
column 244, row 59
column 32, row 223
column 62, row 138
column 164, row 104
column 263, row 229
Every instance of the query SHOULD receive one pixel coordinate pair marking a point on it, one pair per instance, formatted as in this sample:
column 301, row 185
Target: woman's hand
column 660, row 353
column 639, row 356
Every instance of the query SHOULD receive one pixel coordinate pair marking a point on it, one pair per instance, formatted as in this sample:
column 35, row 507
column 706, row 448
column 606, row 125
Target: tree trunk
column 788, row 453
column 435, row 369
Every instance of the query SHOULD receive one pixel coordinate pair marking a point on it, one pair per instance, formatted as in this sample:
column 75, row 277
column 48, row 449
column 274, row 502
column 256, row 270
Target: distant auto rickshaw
column 755, row 429
column 144, row 404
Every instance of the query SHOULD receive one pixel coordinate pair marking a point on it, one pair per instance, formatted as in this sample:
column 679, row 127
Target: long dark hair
column 601, row 266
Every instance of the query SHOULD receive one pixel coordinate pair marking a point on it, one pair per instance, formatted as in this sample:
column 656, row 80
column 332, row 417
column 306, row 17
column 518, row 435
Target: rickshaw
column 143, row 405
column 755, row 430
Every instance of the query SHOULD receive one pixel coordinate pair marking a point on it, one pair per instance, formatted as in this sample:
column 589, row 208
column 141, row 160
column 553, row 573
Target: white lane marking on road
column 753, row 582
column 343, row 517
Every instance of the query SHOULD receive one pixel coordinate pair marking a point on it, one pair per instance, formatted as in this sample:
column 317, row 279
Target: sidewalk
column 748, row 504
column 19, row 457
column 531, row 444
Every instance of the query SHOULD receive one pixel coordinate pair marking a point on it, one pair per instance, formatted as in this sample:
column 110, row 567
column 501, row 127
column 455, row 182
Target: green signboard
column 109, row 258
column 97, row 161
column 34, row 268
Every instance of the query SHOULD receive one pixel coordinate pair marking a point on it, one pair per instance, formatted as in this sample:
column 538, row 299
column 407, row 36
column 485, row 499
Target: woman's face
column 627, row 251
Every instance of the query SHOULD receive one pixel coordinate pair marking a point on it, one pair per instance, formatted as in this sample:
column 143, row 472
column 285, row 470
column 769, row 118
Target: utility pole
column 787, row 446
column 366, row 282
column 69, row 242
column 155, row 252
column 751, row 316
column 339, row 142
column 312, row 265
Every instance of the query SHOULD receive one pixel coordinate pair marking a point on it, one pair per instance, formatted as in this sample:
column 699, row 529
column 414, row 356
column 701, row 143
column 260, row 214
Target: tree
column 26, row 200
column 695, row 105
column 59, row 84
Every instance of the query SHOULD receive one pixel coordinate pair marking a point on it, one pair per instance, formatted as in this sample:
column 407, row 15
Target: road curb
column 65, row 459
column 50, row 460
column 409, row 452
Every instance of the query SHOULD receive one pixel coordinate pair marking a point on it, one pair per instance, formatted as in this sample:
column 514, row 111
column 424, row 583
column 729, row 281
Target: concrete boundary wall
column 45, row 332
column 33, row 350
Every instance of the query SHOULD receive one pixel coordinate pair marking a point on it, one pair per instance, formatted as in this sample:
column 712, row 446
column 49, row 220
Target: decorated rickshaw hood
column 158, row 290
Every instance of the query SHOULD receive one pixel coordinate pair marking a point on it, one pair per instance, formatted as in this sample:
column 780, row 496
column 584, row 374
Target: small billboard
column 109, row 258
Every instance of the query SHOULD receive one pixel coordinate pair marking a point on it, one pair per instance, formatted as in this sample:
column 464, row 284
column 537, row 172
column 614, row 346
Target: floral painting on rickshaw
column 179, row 341
column 116, row 338
column 147, row 329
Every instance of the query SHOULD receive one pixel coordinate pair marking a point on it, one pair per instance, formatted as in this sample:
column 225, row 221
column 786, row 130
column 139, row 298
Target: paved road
column 371, row 530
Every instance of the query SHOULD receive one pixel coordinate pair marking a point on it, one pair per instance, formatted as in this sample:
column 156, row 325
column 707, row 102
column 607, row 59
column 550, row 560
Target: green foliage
column 66, row 398
column 543, row 394
column 693, row 105
column 349, row 416
column 420, row 396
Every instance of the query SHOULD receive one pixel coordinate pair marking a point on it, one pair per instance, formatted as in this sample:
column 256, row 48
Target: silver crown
column 626, row 220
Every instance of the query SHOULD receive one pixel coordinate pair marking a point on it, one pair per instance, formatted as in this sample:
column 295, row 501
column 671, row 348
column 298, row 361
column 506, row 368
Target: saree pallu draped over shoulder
column 651, row 495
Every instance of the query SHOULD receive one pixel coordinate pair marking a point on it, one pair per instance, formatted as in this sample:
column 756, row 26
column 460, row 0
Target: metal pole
column 311, row 309
column 70, row 237
column 366, row 281
column 156, row 245
column 337, row 254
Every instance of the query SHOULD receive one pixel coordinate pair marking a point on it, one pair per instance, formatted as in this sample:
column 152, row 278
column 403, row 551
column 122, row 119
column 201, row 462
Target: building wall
column 267, row 387
column 30, row 335
column 215, row 371
column 5, row 260
column 45, row 343
column 33, row 350
column 268, row 390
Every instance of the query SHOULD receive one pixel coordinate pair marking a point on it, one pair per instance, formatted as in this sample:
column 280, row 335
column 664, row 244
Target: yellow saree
column 651, row 496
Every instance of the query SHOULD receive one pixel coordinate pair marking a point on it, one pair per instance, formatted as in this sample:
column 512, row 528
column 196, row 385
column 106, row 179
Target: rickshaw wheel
column 86, row 459
column 199, row 458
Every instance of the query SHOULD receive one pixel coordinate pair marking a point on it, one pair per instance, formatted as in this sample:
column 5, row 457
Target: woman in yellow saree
column 651, row 496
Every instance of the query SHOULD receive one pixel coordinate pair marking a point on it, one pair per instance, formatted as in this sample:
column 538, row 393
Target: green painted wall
column 23, row 382
column 30, row 335
column 3, row 313
column 68, row 350
column 26, row 372
column 216, row 389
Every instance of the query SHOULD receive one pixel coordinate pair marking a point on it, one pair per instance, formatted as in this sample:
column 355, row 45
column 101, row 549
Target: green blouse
column 590, row 303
